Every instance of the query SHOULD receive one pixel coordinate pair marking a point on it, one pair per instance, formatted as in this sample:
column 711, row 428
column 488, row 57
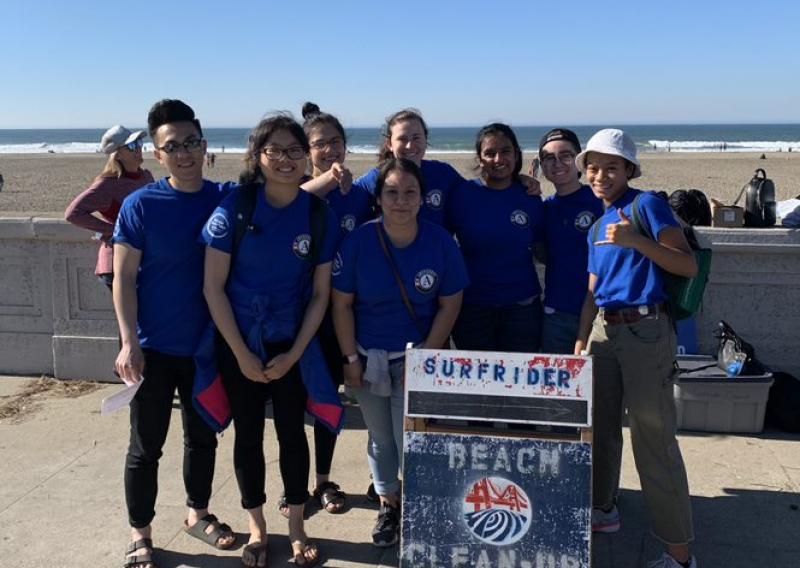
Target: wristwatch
column 347, row 359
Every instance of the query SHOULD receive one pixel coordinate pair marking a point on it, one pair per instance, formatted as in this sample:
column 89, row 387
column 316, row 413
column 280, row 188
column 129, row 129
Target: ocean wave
column 719, row 145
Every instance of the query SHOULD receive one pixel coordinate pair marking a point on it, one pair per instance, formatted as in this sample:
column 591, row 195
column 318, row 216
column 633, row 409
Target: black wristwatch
column 347, row 359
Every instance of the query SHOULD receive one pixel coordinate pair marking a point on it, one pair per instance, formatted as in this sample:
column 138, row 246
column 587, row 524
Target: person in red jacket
column 97, row 207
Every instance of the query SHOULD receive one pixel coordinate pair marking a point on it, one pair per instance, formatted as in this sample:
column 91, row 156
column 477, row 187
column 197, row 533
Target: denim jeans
column 559, row 331
column 383, row 416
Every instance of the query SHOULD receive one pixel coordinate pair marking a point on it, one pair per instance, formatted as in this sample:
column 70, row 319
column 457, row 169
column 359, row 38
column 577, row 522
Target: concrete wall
column 56, row 318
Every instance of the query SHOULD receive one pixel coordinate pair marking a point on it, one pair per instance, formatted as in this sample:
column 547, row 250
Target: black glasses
column 565, row 158
column 135, row 145
column 276, row 153
column 188, row 145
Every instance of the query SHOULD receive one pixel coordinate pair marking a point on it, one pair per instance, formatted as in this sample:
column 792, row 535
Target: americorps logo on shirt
column 434, row 199
column 302, row 245
column 348, row 223
column 520, row 218
column 584, row 220
column 425, row 280
column 217, row 226
column 338, row 263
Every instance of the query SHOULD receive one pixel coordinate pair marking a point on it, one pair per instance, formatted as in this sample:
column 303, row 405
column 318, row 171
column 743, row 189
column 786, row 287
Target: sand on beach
column 44, row 184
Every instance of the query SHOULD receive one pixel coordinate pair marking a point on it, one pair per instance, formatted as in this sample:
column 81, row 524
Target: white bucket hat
column 117, row 136
column 614, row 142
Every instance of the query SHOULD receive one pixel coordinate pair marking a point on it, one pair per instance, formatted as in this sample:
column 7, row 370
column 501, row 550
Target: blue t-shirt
column 163, row 224
column 496, row 230
column 272, row 260
column 440, row 179
column 353, row 208
column 625, row 277
column 430, row 267
column 567, row 222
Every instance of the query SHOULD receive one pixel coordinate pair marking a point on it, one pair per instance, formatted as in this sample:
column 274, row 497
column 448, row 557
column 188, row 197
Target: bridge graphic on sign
column 497, row 511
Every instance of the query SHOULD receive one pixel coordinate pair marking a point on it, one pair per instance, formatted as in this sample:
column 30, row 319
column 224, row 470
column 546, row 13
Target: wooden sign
column 490, row 502
column 508, row 387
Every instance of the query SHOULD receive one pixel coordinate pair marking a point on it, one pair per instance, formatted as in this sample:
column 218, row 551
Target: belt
column 632, row 314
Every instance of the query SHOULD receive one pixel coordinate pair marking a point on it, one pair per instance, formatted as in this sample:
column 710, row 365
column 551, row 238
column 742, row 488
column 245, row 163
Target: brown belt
column 632, row 314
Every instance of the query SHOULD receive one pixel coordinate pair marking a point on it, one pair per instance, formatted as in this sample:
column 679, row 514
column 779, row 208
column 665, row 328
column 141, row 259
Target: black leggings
column 324, row 439
column 151, row 409
column 248, row 400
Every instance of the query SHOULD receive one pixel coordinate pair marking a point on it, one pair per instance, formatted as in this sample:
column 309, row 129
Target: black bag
column 783, row 404
column 759, row 208
column 735, row 356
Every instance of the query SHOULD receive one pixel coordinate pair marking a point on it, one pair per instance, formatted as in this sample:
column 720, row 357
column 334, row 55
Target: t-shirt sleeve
column 128, row 228
column 218, row 231
column 331, row 237
column 537, row 218
column 344, row 265
column 455, row 274
column 368, row 181
column 657, row 214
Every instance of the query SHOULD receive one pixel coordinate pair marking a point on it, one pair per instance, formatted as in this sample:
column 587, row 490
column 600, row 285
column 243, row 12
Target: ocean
column 648, row 137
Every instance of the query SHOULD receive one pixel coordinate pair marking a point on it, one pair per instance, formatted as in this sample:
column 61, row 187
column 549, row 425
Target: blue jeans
column 383, row 416
column 516, row 328
column 559, row 332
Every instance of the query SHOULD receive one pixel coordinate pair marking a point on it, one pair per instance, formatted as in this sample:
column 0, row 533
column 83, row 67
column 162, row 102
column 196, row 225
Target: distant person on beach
column 569, row 214
column 627, row 329
column 2, row 182
column 268, row 292
column 96, row 209
column 158, row 299
column 396, row 280
column 497, row 225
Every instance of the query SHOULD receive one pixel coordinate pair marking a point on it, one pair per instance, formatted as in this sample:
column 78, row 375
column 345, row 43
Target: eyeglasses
column 276, row 153
column 188, row 145
column 565, row 158
column 135, row 145
column 322, row 144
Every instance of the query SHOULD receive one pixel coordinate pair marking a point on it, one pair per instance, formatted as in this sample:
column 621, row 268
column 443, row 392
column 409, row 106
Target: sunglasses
column 135, row 145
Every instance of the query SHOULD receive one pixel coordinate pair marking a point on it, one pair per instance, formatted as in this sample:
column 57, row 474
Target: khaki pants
column 634, row 365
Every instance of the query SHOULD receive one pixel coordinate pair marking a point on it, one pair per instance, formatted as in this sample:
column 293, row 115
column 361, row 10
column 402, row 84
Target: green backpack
column 685, row 294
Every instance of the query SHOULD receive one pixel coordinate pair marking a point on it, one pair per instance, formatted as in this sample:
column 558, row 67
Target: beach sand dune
column 44, row 184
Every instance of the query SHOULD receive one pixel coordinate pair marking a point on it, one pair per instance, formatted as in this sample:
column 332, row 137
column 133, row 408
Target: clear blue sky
column 68, row 64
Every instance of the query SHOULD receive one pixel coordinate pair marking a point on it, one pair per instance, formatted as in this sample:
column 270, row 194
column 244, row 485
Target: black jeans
column 151, row 410
column 516, row 328
column 248, row 400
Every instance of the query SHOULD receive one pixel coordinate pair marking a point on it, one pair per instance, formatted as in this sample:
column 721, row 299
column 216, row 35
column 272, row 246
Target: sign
column 489, row 502
column 508, row 387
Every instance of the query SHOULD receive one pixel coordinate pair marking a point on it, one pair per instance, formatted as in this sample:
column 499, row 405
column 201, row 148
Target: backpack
column 685, row 294
column 759, row 208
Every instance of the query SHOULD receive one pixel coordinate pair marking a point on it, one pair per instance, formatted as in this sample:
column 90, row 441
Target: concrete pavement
column 62, row 501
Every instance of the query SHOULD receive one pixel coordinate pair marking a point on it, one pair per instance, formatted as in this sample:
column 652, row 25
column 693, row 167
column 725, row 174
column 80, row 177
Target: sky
column 89, row 64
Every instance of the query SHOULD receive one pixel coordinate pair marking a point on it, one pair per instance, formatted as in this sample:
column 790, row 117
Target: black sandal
column 221, row 530
column 283, row 507
column 328, row 493
column 142, row 559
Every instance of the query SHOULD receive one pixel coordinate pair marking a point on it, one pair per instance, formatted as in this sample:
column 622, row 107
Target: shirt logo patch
column 338, row 263
column 302, row 246
column 584, row 220
column 217, row 226
column 348, row 223
column 425, row 281
column 434, row 199
column 520, row 219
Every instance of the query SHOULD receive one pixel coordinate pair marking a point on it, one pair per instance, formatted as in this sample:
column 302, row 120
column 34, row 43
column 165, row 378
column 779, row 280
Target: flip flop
column 301, row 557
column 256, row 549
column 198, row 531
column 328, row 494
column 141, row 560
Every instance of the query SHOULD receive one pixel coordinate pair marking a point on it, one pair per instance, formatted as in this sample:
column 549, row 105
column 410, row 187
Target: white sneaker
column 605, row 522
column 667, row 561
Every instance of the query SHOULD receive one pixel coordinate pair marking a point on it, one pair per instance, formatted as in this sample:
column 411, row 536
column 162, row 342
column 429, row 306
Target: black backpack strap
column 317, row 221
column 244, row 208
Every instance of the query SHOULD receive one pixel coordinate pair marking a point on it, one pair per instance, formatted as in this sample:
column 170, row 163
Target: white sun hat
column 614, row 142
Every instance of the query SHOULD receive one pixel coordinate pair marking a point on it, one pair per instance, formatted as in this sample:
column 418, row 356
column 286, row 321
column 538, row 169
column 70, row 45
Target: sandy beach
column 43, row 184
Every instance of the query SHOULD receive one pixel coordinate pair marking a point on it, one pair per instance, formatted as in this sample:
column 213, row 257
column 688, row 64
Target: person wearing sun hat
column 627, row 329
column 97, row 207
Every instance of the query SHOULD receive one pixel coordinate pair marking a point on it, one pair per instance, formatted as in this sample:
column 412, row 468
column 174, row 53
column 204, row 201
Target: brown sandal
column 141, row 560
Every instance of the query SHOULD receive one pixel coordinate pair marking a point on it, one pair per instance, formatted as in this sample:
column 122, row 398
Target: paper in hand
column 120, row 399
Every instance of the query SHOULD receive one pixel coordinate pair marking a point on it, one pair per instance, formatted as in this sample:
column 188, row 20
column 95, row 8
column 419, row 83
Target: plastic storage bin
column 708, row 400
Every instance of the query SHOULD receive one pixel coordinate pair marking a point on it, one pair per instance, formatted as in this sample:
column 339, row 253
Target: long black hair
column 312, row 117
column 258, row 139
column 500, row 129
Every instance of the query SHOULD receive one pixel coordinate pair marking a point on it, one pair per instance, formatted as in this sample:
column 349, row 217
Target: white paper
column 120, row 399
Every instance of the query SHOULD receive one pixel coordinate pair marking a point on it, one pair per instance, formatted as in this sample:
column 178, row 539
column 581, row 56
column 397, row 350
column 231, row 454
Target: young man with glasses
column 158, row 298
column 569, row 214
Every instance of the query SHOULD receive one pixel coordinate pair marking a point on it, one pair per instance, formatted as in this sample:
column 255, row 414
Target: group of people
column 305, row 279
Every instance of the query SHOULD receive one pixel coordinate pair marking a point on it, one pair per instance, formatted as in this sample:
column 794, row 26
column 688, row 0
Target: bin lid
column 704, row 369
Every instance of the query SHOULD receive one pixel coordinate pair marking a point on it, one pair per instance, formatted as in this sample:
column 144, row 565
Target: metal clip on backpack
column 759, row 209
